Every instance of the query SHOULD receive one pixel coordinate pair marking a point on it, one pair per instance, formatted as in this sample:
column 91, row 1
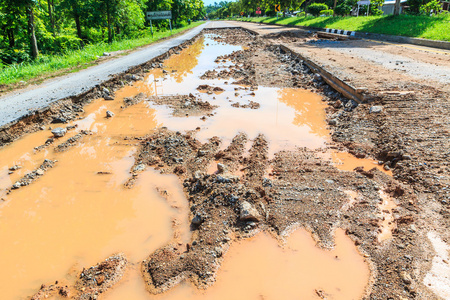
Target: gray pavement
column 221, row 24
column 19, row 103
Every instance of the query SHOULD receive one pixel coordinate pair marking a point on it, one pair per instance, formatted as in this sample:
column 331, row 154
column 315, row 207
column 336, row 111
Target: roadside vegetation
column 46, row 66
column 419, row 18
column 41, row 38
column 421, row 26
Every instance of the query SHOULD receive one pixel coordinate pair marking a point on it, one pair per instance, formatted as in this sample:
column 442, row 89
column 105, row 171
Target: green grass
column 433, row 28
column 48, row 66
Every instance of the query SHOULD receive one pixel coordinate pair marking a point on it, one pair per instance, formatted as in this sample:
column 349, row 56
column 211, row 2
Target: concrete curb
column 379, row 37
column 335, row 82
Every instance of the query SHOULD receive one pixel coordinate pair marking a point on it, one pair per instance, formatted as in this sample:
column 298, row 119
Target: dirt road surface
column 228, row 169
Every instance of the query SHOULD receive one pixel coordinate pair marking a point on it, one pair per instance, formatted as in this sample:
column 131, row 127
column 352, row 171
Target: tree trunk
column 108, row 17
column 31, row 32
column 334, row 8
column 78, row 25
column 76, row 17
column 50, row 15
column 306, row 7
column 11, row 39
column 397, row 8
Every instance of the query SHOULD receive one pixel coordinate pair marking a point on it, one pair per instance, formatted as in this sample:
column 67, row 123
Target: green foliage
column 316, row 8
column 327, row 12
column 343, row 9
column 433, row 5
column 375, row 8
column 414, row 6
column 14, row 56
column 64, row 25
column 434, row 28
column 45, row 65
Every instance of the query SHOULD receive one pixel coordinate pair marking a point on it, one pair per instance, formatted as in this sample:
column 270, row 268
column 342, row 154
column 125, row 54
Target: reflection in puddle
column 259, row 268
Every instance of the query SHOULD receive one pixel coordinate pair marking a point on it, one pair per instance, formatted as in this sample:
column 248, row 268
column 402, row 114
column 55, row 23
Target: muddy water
column 79, row 213
column 260, row 269
column 347, row 162
column 74, row 217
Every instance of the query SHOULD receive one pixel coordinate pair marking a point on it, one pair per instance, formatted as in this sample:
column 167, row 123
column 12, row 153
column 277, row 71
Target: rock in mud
column 221, row 168
column 59, row 120
column 59, row 132
column 197, row 220
column 139, row 168
column 16, row 167
column 333, row 122
column 109, row 114
column 375, row 109
column 248, row 212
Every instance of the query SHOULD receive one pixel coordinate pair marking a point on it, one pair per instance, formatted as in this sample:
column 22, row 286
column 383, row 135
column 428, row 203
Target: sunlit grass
column 74, row 60
column 434, row 27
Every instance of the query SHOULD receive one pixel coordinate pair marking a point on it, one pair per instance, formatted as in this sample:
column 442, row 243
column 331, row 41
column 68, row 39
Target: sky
column 208, row 2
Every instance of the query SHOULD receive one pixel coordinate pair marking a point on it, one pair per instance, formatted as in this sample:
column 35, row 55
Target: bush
column 63, row 43
column 343, row 9
column 301, row 14
column 374, row 10
column 327, row 12
column 47, row 43
column 14, row 56
column 316, row 8
column 433, row 5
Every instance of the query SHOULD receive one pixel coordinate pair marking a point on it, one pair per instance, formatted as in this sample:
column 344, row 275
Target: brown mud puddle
column 79, row 212
column 348, row 162
column 259, row 268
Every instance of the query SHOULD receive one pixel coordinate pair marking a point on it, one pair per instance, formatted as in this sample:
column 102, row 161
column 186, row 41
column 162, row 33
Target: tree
column 28, row 7
column 397, row 8
column 316, row 8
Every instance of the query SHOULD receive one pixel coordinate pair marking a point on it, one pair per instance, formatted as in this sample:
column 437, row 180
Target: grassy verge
column 49, row 66
column 433, row 28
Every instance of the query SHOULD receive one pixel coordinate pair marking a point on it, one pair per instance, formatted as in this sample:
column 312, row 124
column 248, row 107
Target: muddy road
column 227, row 169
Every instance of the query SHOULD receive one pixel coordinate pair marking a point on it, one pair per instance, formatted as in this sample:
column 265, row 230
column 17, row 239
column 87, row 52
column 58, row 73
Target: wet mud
column 213, row 172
